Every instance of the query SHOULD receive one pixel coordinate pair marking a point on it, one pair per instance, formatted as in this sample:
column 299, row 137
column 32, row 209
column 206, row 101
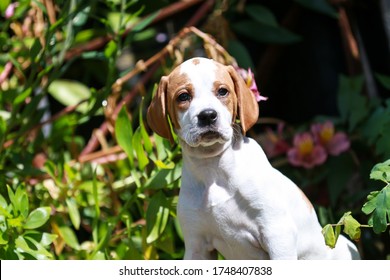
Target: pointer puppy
column 231, row 199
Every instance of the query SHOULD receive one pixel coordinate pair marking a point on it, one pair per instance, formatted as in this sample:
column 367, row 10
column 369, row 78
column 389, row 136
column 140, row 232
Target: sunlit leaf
column 352, row 227
column 379, row 205
column 69, row 237
column 381, row 171
column 124, row 134
column 139, row 150
column 37, row 218
column 74, row 213
column 21, row 201
column 329, row 236
column 70, row 93
column 110, row 49
column 157, row 217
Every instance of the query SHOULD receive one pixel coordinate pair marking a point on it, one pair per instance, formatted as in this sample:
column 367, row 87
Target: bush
column 81, row 176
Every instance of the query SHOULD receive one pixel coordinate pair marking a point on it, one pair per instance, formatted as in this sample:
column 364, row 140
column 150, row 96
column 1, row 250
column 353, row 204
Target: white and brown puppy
column 231, row 199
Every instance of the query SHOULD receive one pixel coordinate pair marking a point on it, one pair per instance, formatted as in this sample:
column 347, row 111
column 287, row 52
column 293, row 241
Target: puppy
column 231, row 199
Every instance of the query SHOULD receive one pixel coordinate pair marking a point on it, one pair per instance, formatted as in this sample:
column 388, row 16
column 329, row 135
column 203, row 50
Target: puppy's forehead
column 198, row 67
column 201, row 72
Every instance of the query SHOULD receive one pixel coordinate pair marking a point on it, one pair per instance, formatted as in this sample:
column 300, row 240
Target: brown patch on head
column 223, row 80
column 195, row 61
column 164, row 105
column 178, row 83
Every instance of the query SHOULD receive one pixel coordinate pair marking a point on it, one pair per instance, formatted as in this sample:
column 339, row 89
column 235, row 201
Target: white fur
column 232, row 200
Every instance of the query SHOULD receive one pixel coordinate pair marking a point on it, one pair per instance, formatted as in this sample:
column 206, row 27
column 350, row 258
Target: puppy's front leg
column 280, row 240
column 198, row 249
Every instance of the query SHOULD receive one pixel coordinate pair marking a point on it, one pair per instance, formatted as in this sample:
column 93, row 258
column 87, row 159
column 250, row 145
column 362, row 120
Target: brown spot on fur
column 195, row 61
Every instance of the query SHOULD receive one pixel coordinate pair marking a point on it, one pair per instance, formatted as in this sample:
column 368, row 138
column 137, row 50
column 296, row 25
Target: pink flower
column 10, row 11
column 334, row 143
column 274, row 144
column 306, row 152
column 249, row 79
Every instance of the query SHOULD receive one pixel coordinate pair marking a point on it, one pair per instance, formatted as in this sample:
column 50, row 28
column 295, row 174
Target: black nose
column 207, row 117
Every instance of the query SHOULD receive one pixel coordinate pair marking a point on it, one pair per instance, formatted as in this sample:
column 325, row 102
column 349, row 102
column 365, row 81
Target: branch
column 100, row 42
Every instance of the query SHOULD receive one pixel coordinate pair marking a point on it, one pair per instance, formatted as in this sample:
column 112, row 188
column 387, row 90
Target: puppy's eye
column 222, row 92
column 184, row 97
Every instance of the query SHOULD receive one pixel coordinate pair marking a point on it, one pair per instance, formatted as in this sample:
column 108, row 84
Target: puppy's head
column 202, row 99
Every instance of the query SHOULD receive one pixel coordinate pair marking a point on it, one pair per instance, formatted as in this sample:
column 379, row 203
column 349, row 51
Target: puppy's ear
column 157, row 115
column 248, row 109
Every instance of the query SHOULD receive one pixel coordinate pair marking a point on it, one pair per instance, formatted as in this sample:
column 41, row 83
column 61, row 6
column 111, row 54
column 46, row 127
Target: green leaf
column 3, row 129
column 164, row 178
column 22, row 96
column 124, row 134
column 139, row 150
column 379, row 205
column 239, row 51
column 381, row 171
column 384, row 80
column 26, row 244
column 11, row 196
column 21, row 200
column 70, row 93
column 3, row 5
column 81, row 17
column 321, row 6
column 370, row 205
column 352, row 227
column 265, row 33
column 376, row 124
column 160, row 147
column 329, row 235
column 39, row 251
column 145, row 22
column 261, row 14
column 110, row 49
column 3, row 202
column 156, row 217
column 47, row 238
column 36, row 48
column 15, row 222
column 37, row 218
column 145, row 136
column 74, row 213
column 69, row 237
column 351, row 104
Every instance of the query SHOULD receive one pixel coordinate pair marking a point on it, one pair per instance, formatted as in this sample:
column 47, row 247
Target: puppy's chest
column 232, row 228
column 227, row 220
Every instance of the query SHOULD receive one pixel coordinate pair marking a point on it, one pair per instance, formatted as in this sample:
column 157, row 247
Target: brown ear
column 248, row 109
column 157, row 115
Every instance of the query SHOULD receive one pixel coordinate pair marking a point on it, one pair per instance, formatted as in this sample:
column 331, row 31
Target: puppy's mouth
column 206, row 136
column 210, row 135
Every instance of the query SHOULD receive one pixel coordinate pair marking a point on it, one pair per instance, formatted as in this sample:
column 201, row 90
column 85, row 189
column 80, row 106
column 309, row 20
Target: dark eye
column 222, row 92
column 184, row 97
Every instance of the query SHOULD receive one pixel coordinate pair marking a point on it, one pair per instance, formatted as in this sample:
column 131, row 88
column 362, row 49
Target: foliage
column 20, row 235
column 81, row 176
column 377, row 206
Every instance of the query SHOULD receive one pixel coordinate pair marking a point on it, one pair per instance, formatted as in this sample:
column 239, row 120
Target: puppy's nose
column 207, row 117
